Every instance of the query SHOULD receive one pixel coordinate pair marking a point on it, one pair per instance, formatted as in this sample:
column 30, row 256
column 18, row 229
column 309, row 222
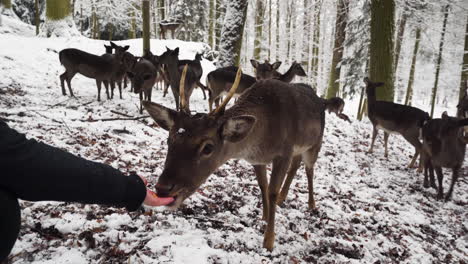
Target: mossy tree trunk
column 381, row 47
column 37, row 20
column 132, row 30
column 464, row 73
column 6, row 3
column 340, row 36
column 439, row 59
column 146, row 26
column 57, row 9
column 409, row 90
column 259, row 29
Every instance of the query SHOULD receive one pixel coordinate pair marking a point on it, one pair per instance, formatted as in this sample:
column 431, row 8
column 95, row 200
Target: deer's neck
column 288, row 76
column 174, row 75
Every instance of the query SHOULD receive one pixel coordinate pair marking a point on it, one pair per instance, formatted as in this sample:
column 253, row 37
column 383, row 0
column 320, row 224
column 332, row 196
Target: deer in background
column 101, row 68
column 144, row 75
column 444, row 144
column 272, row 122
column 170, row 58
column 394, row 118
column 169, row 25
column 266, row 70
column 128, row 62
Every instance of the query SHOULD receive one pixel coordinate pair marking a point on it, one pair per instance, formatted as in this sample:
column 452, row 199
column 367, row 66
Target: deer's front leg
column 280, row 167
column 295, row 164
column 260, row 172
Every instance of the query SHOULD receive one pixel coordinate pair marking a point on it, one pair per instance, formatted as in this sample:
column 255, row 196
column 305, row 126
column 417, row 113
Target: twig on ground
column 113, row 119
column 122, row 114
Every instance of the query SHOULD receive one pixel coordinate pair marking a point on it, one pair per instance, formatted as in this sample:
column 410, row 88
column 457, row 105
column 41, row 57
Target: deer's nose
column 163, row 190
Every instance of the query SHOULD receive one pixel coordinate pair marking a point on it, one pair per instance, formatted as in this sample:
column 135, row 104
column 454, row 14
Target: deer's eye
column 207, row 149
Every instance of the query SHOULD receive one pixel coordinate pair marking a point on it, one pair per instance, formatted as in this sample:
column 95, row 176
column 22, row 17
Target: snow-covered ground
column 370, row 209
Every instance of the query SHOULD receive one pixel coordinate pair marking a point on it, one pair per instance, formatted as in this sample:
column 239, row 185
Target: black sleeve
column 38, row 172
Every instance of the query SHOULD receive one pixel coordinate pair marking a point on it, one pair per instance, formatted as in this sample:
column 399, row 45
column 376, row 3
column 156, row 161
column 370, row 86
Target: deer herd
column 273, row 122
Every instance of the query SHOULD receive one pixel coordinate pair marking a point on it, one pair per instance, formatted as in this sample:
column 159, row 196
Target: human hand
column 152, row 199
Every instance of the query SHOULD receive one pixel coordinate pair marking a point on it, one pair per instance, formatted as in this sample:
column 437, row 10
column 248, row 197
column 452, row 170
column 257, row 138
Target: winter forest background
column 320, row 34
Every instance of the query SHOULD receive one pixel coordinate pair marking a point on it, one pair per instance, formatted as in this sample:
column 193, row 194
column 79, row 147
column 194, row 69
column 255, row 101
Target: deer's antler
column 182, row 88
column 230, row 94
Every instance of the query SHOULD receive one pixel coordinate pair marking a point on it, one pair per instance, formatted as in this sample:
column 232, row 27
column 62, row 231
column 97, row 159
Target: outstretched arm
column 35, row 171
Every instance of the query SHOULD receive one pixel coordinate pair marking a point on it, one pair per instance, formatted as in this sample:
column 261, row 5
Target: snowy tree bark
column 258, row 29
column 316, row 44
column 212, row 22
column 58, row 20
column 162, row 9
column 340, row 36
column 278, row 32
column 306, row 38
column 464, row 73
column 232, row 32
column 381, row 47
column 399, row 38
column 146, row 26
column 439, row 59
column 36, row 16
column 409, row 90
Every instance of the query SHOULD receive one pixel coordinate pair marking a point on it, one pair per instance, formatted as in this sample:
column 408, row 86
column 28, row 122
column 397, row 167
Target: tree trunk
column 146, row 26
column 439, row 59
column 399, row 38
column 258, row 29
column 219, row 25
column 316, row 42
column 212, row 23
column 132, row 29
column 340, row 35
column 57, row 9
column 409, row 90
column 232, row 32
column 278, row 32
column 381, row 47
column 306, row 38
column 6, row 3
column 95, row 24
column 37, row 20
column 110, row 30
column 464, row 73
column 269, row 29
column 162, row 9
column 292, row 37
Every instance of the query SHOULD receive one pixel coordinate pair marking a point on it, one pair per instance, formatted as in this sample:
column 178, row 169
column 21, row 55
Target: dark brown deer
column 266, row 70
column 143, row 77
column 444, row 143
column 272, row 122
column 170, row 58
column 394, row 118
column 220, row 81
column 101, row 68
column 168, row 25
column 128, row 62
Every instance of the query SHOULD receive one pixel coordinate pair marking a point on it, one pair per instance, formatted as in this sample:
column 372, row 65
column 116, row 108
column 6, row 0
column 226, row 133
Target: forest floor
column 370, row 209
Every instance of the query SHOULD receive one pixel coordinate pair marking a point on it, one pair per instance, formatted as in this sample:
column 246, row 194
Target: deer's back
column 90, row 65
column 396, row 117
column 288, row 116
column 220, row 81
column 194, row 65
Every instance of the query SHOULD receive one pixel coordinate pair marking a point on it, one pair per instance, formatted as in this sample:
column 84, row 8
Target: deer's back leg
column 374, row 135
column 386, row 135
column 202, row 87
column 106, row 85
column 119, row 84
column 260, row 173
column 141, row 102
column 280, row 167
column 63, row 77
column 98, row 84
column 295, row 164
column 413, row 139
column 112, row 86
column 310, row 157
column 454, row 180
column 440, row 179
column 68, row 77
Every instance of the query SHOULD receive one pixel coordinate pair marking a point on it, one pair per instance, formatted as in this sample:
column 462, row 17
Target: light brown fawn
column 272, row 122
column 101, row 68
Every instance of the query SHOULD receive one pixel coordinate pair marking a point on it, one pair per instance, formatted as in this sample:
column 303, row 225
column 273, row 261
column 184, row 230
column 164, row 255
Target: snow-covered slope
column 370, row 209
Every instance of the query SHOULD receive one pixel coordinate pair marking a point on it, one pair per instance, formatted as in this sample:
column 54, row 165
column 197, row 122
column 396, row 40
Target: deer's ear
column 254, row 63
column 113, row 45
column 237, row 128
column 176, row 51
column 164, row 116
column 276, row 65
column 445, row 115
column 126, row 47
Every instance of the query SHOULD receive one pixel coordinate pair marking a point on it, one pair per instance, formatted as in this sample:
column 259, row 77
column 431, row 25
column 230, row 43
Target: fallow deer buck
column 272, row 122
column 266, row 70
column 101, row 68
column 444, row 143
column 170, row 58
column 394, row 118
